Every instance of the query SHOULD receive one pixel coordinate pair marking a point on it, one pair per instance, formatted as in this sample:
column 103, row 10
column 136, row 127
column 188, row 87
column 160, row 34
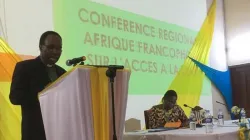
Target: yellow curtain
column 10, row 116
column 189, row 80
column 100, row 103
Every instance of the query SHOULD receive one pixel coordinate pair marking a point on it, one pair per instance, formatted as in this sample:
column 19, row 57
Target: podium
column 77, row 106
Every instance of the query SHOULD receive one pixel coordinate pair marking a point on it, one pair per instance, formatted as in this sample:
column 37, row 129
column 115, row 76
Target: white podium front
column 78, row 105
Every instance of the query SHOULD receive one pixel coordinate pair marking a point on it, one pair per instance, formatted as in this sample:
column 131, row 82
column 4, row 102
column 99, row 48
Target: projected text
column 150, row 48
column 93, row 17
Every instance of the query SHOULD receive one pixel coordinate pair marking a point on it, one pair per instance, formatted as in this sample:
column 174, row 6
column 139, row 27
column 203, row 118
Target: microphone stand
column 240, row 115
column 229, row 112
column 111, row 73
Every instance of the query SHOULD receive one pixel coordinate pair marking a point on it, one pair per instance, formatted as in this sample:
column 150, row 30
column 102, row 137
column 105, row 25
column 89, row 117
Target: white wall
column 218, row 59
column 25, row 21
column 237, row 17
column 186, row 13
column 2, row 19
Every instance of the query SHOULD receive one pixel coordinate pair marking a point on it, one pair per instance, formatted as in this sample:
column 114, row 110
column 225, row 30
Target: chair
column 146, row 116
column 132, row 124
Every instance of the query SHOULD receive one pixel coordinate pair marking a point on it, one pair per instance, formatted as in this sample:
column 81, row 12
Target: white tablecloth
column 228, row 132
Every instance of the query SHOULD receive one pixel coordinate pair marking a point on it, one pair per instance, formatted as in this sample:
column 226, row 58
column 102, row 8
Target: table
column 228, row 132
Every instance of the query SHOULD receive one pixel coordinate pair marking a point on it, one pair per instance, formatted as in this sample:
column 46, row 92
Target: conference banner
column 154, row 50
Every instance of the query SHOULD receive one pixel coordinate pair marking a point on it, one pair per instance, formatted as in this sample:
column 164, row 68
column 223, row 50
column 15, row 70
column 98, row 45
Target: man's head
column 169, row 99
column 50, row 46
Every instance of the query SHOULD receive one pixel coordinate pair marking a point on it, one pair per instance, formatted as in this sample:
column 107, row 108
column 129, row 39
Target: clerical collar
column 48, row 65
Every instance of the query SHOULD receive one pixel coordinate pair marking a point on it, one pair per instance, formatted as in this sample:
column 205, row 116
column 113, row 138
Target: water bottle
column 209, row 122
column 192, row 124
column 243, row 116
column 192, row 117
column 243, row 119
column 220, row 118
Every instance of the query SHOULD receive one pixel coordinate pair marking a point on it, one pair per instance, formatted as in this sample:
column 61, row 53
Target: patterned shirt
column 158, row 116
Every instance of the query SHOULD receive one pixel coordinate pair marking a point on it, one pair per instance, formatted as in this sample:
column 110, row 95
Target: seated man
column 166, row 112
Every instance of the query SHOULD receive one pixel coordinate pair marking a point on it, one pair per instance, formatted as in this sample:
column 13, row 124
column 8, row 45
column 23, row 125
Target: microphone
column 221, row 103
column 224, row 105
column 185, row 105
column 74, row 61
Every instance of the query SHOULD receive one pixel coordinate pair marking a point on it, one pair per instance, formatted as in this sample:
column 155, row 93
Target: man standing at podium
column 32, row 76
